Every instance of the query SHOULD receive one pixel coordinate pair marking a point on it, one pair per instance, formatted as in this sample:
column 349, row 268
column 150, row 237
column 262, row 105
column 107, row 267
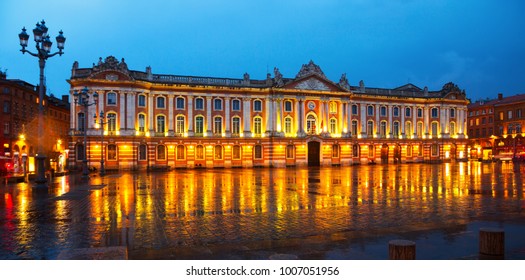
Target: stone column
column 300, row 104
column 414, row 121
column 171, row 130
column 227, row 120
column 389, row 128
column 378, row 122
column 122, row 112
column 209, row 123
column 151, row 105
column 426, row 120
column 402, row 112
column 269, row 116
column 189, row 109
column 341, row 117
column 363, row 120
column 247, row 117
column 131, row 113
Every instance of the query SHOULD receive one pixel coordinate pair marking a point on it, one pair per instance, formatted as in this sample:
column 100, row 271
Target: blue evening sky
column 479, row 45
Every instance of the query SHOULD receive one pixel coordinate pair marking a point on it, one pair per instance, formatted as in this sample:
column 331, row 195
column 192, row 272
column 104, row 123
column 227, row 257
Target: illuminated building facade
column 19, row 124
column 495, row 128
column 171, row 121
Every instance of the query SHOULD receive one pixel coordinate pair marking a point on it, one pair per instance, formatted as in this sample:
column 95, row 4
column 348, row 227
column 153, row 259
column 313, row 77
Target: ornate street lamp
column 101, row 121
column 43, row 47
column 82, row 99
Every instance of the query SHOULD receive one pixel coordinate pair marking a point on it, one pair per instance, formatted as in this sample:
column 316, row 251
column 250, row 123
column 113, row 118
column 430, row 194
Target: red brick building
column 495, row 128
column 19, row 124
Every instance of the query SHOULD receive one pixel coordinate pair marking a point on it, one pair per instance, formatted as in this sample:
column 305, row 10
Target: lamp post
column 101, row 121
column 82, row 99
column 43, row 47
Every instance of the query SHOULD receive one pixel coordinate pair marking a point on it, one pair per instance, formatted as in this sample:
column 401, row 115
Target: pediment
column 313, row 82
column 111, row 75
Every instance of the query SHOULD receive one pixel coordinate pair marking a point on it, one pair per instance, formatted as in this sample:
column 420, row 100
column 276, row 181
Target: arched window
column 181, row 152
column 217, row 153
column 161, row 124
column 257, row 126
column 199, row 125
column 161, row 152
column 80, row 152
column 396, row 111
column 419, row 112
column 81, row 122
column 199, row 152
column 112, row 122
column 408, row 112
column 112, row 152
column 419, row 130
column 395, row 129
column 354, row 127
column 143, row 152
column 288, row 125
column 370, row 128
column 217, row 125
column 257, row 152
column 408, row 129
column 434, row 129
column 142, row 123
column 257, row 106
column 333, row 126
column 111, row 98
column 161, row 102
column 236, row 125
column 179, row 105
column 179, row 128
column 382, row 129
column 236, row 152
column 311, row 124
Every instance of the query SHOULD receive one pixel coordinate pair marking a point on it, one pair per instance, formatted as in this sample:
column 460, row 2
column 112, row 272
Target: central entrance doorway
column 314, row 153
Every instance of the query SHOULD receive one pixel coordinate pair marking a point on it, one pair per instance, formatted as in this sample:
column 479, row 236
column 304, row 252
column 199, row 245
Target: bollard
column 491, row 244
column 401, row 250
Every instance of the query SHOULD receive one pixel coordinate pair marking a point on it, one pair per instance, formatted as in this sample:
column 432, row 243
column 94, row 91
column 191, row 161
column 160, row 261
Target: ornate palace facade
column 171, row 121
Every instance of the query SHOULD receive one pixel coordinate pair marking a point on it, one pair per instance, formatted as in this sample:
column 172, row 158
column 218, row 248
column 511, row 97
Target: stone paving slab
column 101, row 253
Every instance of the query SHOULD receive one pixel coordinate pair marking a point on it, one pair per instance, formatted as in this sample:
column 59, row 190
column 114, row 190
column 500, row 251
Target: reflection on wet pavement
column 249, row 213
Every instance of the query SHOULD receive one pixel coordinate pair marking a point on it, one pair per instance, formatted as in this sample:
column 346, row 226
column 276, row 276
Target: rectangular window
column 112, row 152
column 7, row 108
column 199, row 125
column 6, row 128
column 288, row 126
column 142, row 152
column 180, row 103
column 382, row 111
column 354, row 109
column 518, row 113
column 217, row 127
column 501, row 116
column 509, row 115
column 161, row 102
column 112, row 98
column 354, row 127
column 236, row 105
column 180, row 152
column 199, row 104
column 217, row 104
column 419, row 112
column 290, row 151
column 335, row 151
column 435, row 150
column 257, row 152
column 218, row 152
column 287, row 106
column 257, row 106
column 142, row 101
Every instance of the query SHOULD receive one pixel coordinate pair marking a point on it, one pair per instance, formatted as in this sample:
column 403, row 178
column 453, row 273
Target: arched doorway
column 314, row 153
column 384, row 153
column 397, row 154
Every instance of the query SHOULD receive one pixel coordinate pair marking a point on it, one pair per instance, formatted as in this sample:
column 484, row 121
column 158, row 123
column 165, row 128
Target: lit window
column 236, row 152
column 335, row 151
column 218, row 152
column 112, row 152
column 181, row 152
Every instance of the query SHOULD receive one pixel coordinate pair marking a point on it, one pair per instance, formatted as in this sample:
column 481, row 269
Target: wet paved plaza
column 313, row 213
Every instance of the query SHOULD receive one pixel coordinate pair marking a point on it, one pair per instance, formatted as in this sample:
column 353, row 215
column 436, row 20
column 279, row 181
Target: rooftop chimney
column 500, row 96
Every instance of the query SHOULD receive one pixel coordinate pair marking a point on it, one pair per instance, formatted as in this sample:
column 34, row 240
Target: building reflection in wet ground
column 184, row 209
